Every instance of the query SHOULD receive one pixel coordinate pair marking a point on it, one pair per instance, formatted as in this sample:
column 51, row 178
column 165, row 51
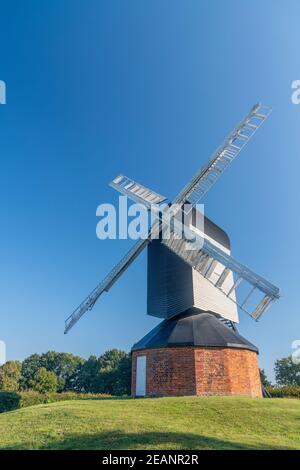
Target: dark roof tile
column 193, row 328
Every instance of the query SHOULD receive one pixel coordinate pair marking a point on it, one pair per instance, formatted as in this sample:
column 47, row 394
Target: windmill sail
column 203, row 256
column 136, row 191
column 105, row 285
column 206, row 177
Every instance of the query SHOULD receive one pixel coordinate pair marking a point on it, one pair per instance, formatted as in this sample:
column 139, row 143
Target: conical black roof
column 193, row 328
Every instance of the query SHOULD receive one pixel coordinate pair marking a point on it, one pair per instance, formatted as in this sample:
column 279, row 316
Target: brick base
column 199, row 371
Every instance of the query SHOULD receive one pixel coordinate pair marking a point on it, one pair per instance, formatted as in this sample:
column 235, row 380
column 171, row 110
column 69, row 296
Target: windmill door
column 140, row 388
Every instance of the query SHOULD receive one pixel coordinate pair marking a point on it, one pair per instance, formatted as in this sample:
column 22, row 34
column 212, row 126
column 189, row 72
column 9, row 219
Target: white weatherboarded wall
column 208, row 297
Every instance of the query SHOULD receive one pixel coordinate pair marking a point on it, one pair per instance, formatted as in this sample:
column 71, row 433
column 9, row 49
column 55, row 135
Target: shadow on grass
column 118, row 440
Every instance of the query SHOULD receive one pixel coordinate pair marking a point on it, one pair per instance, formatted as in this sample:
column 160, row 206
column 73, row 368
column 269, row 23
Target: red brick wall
column 227, row 371
column 199, row 371
column 170, row 372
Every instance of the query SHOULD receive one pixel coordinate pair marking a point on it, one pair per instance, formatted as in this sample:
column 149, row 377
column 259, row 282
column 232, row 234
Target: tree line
column 287, row 373
column 60, row 372
column 109, row 373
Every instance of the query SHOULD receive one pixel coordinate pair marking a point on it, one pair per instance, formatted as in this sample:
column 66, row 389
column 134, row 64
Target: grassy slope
column 164, row 423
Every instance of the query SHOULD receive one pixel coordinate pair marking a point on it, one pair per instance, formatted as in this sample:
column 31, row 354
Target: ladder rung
column 208, row 272
column 261, row 306
column 243, row 136
column 203, row 257
column 248, row 296
column 260, row 116
column 235, row 146
column 222, row 277
column 252, row 126
column 234, row 286
column 206, row 265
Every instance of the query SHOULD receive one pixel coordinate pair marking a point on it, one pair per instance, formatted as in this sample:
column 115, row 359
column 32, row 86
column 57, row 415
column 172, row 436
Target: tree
column 64, row 365
column 287, row 372
column 83, row 379
column 44, row 381
column 122, row 377
column 30, row 366
column 111, row 359
column 10, row 376
column 263, row 378
column 110, row 373
column 114, row 374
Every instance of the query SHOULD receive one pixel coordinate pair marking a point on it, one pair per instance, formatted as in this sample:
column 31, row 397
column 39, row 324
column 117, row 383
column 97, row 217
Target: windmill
column 196, row 286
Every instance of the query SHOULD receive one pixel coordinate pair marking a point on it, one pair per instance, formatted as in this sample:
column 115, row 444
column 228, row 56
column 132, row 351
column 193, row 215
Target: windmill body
column 194, row 286
column 173, row 286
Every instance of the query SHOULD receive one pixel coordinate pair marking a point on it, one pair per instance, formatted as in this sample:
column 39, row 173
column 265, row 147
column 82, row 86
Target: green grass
column 162, row 423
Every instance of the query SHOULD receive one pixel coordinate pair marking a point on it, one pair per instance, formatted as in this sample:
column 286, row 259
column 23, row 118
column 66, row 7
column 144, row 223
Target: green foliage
column 32, row 397
column 64, row 366
column 112, row 370
column 11, row 401
column 288, row 391
column 83, row 380
column 44, row 381
column 263, row 378
column 10, row 376
column 110, row 360
column 110, row 373
column 122, row 377
column 30, row 366
column 286, row 372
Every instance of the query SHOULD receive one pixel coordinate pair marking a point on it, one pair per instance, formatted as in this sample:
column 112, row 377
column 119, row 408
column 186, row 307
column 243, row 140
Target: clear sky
column 150, row 89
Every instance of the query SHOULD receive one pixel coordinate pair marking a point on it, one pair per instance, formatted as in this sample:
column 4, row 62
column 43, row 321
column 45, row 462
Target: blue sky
column 150, row 89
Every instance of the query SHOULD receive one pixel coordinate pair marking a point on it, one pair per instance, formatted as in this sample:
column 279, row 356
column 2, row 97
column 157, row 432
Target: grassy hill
column 162, row 423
